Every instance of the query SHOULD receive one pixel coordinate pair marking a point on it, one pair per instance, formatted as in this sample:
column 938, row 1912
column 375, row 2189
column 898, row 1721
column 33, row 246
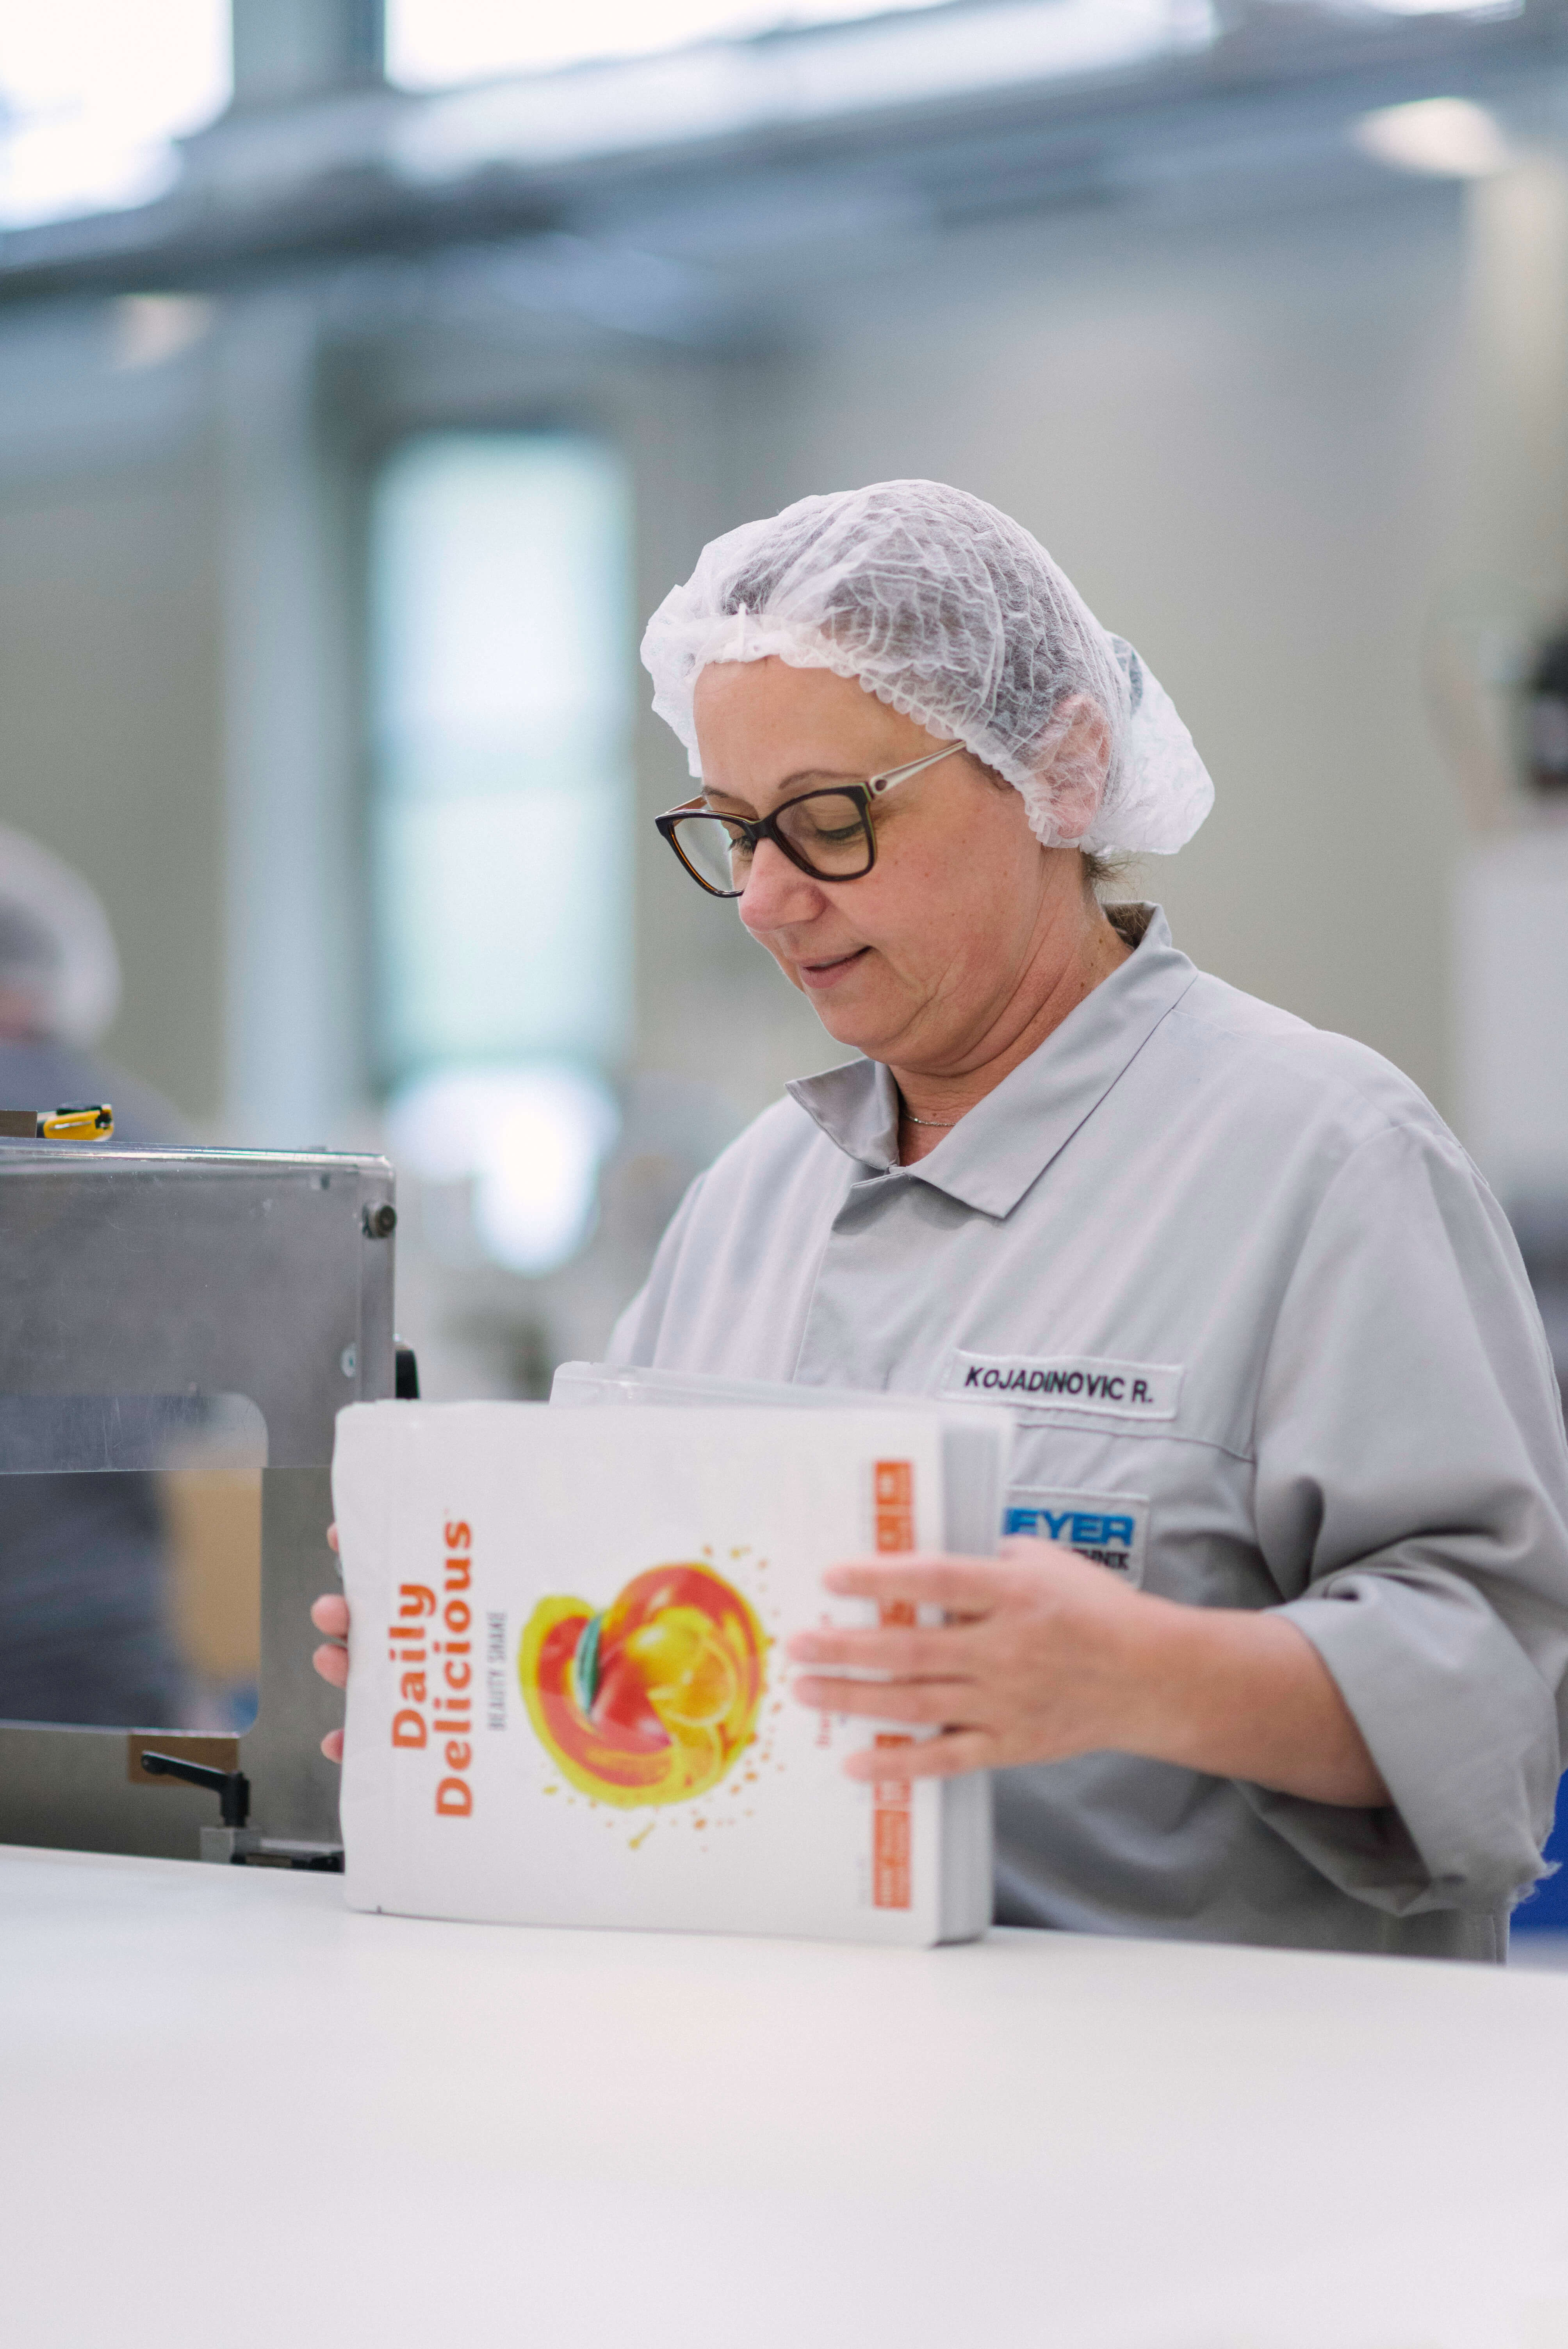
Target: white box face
column 567, row 1701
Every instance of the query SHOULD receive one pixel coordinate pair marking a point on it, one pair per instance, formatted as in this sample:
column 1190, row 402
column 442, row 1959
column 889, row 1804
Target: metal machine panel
column 127, row 1276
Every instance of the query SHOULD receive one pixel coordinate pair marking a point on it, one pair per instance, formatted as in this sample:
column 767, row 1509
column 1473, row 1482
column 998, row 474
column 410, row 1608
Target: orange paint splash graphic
column 652, row 1700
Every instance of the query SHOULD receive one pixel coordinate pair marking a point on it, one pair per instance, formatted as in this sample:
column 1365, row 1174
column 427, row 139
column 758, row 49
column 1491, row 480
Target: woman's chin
column 863, row 1027
column 854, row 1003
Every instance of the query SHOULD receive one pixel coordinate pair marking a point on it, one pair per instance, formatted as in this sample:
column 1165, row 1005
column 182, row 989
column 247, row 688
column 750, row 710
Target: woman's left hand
column 1044, row 1655
column 1032, row 1665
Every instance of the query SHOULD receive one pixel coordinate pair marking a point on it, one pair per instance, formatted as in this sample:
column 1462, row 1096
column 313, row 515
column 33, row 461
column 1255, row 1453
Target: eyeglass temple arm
column 877, row 784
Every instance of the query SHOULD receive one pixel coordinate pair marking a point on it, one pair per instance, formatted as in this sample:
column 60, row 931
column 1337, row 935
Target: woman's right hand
column 330, row 1616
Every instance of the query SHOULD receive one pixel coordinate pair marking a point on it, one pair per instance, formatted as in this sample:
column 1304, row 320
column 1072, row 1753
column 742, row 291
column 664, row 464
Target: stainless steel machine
column 147, row 1297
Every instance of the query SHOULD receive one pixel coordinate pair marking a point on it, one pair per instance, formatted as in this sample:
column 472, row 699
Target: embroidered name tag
column 1110, row 1527
column 1072, row 1382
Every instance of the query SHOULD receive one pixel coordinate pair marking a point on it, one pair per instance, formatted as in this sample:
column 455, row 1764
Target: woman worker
column 1278, row 1374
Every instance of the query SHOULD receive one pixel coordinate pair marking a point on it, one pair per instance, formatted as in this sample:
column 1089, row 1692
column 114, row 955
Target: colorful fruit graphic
column 651, row 1700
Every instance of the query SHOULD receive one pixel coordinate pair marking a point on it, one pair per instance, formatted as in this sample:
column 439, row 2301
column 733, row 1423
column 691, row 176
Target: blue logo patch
column 1111, row 1529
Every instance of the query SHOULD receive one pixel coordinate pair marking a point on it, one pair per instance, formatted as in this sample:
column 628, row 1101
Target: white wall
column 109, row 727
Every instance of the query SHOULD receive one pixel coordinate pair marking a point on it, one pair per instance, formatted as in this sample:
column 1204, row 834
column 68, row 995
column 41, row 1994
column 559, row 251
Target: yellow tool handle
column 91, row 1122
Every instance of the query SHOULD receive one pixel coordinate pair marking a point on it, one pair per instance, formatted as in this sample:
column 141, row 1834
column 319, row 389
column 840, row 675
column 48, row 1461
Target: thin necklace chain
column 946, row 1124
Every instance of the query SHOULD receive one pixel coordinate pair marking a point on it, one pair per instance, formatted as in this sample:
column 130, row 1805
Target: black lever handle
column 231, row 1787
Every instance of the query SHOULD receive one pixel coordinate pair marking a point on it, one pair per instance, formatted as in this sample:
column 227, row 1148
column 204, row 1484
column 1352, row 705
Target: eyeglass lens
column 825, row 828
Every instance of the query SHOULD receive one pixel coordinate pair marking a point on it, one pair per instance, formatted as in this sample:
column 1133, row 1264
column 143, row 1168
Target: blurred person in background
column 59, row 994
column 84, row 1630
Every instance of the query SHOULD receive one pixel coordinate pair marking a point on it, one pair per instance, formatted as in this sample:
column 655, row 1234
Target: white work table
column 232, row 2112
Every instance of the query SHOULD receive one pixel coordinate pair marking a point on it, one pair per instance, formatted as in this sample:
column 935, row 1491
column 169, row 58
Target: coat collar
column 995, row 1152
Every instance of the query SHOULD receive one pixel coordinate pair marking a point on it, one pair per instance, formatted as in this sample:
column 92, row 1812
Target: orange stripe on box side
column 894, row 1488
column 892, row 1886
column 891, row 1849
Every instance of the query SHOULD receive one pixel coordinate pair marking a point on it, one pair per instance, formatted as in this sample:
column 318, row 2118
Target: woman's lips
column 819, row 974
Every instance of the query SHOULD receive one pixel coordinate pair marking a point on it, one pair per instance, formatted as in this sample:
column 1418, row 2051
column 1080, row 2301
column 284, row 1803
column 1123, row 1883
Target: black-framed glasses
column 826, row 834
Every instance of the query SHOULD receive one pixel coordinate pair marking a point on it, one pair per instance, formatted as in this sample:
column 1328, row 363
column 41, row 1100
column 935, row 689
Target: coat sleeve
column 1412, row 1505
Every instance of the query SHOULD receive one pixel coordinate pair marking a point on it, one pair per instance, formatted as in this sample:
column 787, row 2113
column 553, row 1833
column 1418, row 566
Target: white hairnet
column 950, row 611
column 55, row 944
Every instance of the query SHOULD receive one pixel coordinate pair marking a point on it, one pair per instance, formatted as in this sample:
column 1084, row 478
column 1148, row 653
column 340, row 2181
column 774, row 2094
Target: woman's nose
column 778, row 893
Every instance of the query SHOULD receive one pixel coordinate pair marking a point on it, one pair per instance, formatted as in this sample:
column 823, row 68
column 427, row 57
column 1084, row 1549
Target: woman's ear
column 1075, row 756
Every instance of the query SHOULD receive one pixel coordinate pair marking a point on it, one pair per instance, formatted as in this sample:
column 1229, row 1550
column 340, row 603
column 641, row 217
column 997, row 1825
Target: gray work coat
column 1270, row 1344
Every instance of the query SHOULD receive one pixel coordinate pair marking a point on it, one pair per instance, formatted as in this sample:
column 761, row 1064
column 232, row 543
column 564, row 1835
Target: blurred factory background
column 367, row 373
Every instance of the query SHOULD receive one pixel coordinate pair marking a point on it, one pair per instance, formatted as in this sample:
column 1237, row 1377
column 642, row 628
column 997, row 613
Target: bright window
column 93, row 93
column 435, row 44
column 500, row 646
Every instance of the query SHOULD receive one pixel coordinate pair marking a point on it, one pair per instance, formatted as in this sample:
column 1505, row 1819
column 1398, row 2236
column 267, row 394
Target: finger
column 948, row 1756
column 964, row 1586
column 331, row 1745
column 1042, row 1557
column 922, row 1701
column 907, row 1655
column 332, row 1663
column 331, row 1536
column 330, row 1614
